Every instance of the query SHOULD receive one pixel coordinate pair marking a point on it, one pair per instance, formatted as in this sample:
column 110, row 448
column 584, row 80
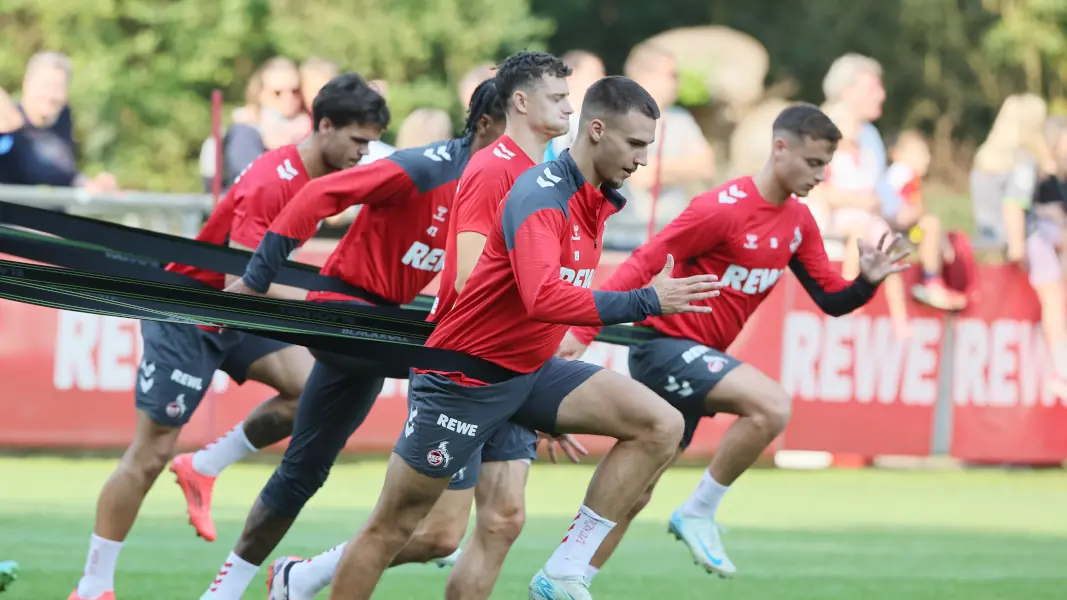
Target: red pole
column 216, row 134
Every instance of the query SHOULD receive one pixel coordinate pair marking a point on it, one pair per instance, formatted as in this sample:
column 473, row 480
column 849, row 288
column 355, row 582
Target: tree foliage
column 145, row 69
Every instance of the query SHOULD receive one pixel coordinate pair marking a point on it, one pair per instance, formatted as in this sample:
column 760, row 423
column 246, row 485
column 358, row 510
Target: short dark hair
column 523, row 69
column 347, row 99
column 484, row 101
column 615, row 96
column 807, row 121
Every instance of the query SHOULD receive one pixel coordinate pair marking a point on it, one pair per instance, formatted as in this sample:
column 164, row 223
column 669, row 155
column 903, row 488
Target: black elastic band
column 164, row 247
column 68, row 290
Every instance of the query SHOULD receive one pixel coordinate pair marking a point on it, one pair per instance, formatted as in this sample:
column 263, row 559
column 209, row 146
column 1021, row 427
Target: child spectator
column 911, row 161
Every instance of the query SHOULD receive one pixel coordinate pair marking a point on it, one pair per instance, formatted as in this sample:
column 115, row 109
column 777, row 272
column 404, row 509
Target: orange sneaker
column 278, row 573
column 197, row 489
column 105, row 596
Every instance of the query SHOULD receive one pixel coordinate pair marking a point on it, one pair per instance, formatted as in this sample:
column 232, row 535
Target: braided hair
column 484, row 101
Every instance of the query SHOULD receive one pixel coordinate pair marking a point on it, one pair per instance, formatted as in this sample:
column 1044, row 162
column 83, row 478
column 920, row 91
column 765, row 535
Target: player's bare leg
column 267, row 424
column 120, row 500
column 607, row 548
column 406, row 498
column 437, row 536
column 441, row 532
column 648, row 430
column 763, row 409
column 501, row 515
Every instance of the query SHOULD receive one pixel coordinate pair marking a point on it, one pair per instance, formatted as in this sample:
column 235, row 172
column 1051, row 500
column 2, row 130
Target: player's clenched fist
column 677, row 295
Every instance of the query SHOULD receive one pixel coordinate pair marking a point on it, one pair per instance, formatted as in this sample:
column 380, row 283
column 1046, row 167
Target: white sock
column 223, row 452
column 706, row 498
column 99, row 576
column 233, row 579
column 583, row 538
column 590, row 573
column 309, row 577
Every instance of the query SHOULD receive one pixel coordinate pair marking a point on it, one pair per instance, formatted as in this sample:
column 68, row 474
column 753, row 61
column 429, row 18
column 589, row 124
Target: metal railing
column 180, row 214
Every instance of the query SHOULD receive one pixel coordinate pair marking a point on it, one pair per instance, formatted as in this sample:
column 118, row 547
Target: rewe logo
column 456, row 425
column 438, row 154
column 731, row 195
column 501, row 151
column 424, row 258
column 580, row 278
column 553, row 179
column 755, row 281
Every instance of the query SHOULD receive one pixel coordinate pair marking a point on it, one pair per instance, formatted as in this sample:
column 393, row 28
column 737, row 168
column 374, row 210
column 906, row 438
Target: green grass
column 869, row 535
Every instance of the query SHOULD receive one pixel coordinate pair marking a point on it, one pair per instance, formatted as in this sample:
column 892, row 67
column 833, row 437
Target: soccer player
column 528, row 285
column 534, row 88
column 180, row 360
column 749, row 230
column 392, row 251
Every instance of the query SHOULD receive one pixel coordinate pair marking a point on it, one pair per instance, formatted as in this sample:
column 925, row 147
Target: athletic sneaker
column 702, row 536
column 9, row 572
column 197, row 489
column 543, row 587
column 105, row 596
column 447, row 561
column 278, row 578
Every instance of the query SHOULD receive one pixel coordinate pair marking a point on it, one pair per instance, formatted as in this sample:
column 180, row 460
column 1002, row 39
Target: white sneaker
column 543, row 587
column 278, row 578
column 702, row 536
column 447, row 561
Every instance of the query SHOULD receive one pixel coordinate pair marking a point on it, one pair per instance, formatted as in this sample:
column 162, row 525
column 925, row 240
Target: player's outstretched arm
column 534, row 247
column 375, row 183
column 693, row 233
column 832, row 293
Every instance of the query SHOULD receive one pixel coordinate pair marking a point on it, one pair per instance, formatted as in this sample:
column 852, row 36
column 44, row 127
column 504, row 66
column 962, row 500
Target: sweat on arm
column 833, row 294
column 379, row 182
column 533, row 229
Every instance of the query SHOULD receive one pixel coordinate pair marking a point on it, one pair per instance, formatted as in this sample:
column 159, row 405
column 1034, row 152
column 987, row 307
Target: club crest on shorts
column 177, row 408
column 715, row 363
column 439, row 456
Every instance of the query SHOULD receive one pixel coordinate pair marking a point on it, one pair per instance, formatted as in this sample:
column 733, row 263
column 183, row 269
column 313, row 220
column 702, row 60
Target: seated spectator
column 911, row 161
column 1046, row 252
column 39, row 147
column 847, row 206
column 586, row 69
column 424, row 126
column 855, row 81
column 681, row 162
column 1005, row 174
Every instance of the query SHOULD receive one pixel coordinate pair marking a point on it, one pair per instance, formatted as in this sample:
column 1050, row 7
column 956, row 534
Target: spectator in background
column 586, row 69
column 273, row 116
column 424, row 126
column 856, row 81
column 680, row 161
column 846, row 205
column 315, row 72
column 911, row 160
column 1005, row 173
column 472, row 79
column 1046, row 252
column 39, row 144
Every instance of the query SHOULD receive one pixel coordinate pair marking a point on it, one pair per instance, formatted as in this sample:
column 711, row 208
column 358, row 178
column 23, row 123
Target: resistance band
column 139, row 257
